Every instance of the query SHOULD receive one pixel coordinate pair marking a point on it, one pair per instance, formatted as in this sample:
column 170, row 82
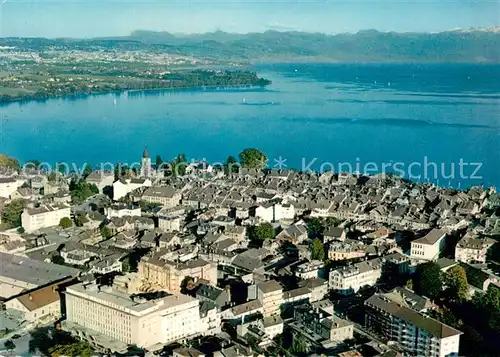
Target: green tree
column 20, row 230
column 12, row 211
column 447, row 317
column 315, row 227
column 264, row 231
column 57, row 259
column 179, row 165
column 106, row 233
column 429, row 280
column 81, row 190
column 455, row 280
column 158, row 161
column 317, row 250
column 231, row 164
column 9, row 345
column 65, row 222
column 253, row 159
column 299, row 345
column 80, row 349
column 9, row 162
column 87, row 170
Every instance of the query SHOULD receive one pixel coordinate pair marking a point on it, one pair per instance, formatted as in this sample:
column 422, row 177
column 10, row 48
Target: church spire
column 145, row 154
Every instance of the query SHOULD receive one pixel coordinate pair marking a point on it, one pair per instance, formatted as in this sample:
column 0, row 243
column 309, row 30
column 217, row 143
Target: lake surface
column 391, row 114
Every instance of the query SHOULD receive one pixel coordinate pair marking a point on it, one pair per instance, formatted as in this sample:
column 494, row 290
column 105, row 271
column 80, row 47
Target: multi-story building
column 348, row 280
column 472, row 250
column 123, row 187
column 169, row 275
column 309, row 270
column 429, row 246
column 33, row 219
column 270, row 294
column 345, row 251
column 318, row 321
column 132, row 320
column 418, row 335
column 8, row 186
column 164, row 195
column 122, row 211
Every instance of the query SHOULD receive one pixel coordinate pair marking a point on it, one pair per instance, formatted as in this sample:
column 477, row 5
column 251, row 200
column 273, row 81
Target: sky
column 95, row 18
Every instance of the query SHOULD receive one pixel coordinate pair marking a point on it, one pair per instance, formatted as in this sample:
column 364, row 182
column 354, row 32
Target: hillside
column 365, row 46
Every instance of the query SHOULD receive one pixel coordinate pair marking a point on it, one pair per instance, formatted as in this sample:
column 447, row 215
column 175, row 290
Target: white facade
column 428, row 247
column 144, row 323
column 123, row 187
column 169, row 223
column 45, row 216
column 122, row 211
column 7, row 187
column 349, row 280
column 270, row 212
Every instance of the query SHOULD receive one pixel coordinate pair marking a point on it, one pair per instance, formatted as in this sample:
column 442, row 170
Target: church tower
column 145, row 164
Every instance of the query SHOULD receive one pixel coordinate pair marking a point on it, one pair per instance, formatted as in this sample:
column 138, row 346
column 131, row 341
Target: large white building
column 132, row 321
column 429, row 246
column 33, row 219
column 417, row 335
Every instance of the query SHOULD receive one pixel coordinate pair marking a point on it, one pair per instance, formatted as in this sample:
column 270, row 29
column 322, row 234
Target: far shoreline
column 76, row 96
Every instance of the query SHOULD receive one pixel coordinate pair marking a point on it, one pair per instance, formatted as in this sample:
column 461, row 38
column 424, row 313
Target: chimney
column 30, row 297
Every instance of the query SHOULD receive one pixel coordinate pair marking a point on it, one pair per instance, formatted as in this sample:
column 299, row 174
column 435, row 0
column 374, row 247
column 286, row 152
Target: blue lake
column 354, row 114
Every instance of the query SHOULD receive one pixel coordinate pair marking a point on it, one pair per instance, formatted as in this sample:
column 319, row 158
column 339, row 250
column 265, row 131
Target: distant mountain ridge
column 473, row 45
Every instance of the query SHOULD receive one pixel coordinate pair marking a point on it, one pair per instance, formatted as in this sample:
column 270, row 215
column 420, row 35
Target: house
column 309, row 270
column 220, row 297
column 164, row 195
column 33, row 219
column 295, row 234
column 317, row 286
column 473, row 250
column 320, row 322
column 39, row 305
column 8, row 185
column 345, row 250
column 348, row 280
column 123, row 187
column 430, row 246
column 237, row 233
column 122, row 210
column 334, row 233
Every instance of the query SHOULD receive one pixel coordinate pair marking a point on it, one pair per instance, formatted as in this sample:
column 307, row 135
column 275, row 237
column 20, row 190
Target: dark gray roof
column 33, row 271
column 411, row 316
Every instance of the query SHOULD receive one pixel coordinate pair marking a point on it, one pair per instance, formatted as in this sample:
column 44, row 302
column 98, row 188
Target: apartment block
column 417, row 334
column 118, row 316
column 348, row 280
column 33, row 219
column 270, row 294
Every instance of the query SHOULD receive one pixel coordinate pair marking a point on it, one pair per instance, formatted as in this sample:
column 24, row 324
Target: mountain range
column 474, row 45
